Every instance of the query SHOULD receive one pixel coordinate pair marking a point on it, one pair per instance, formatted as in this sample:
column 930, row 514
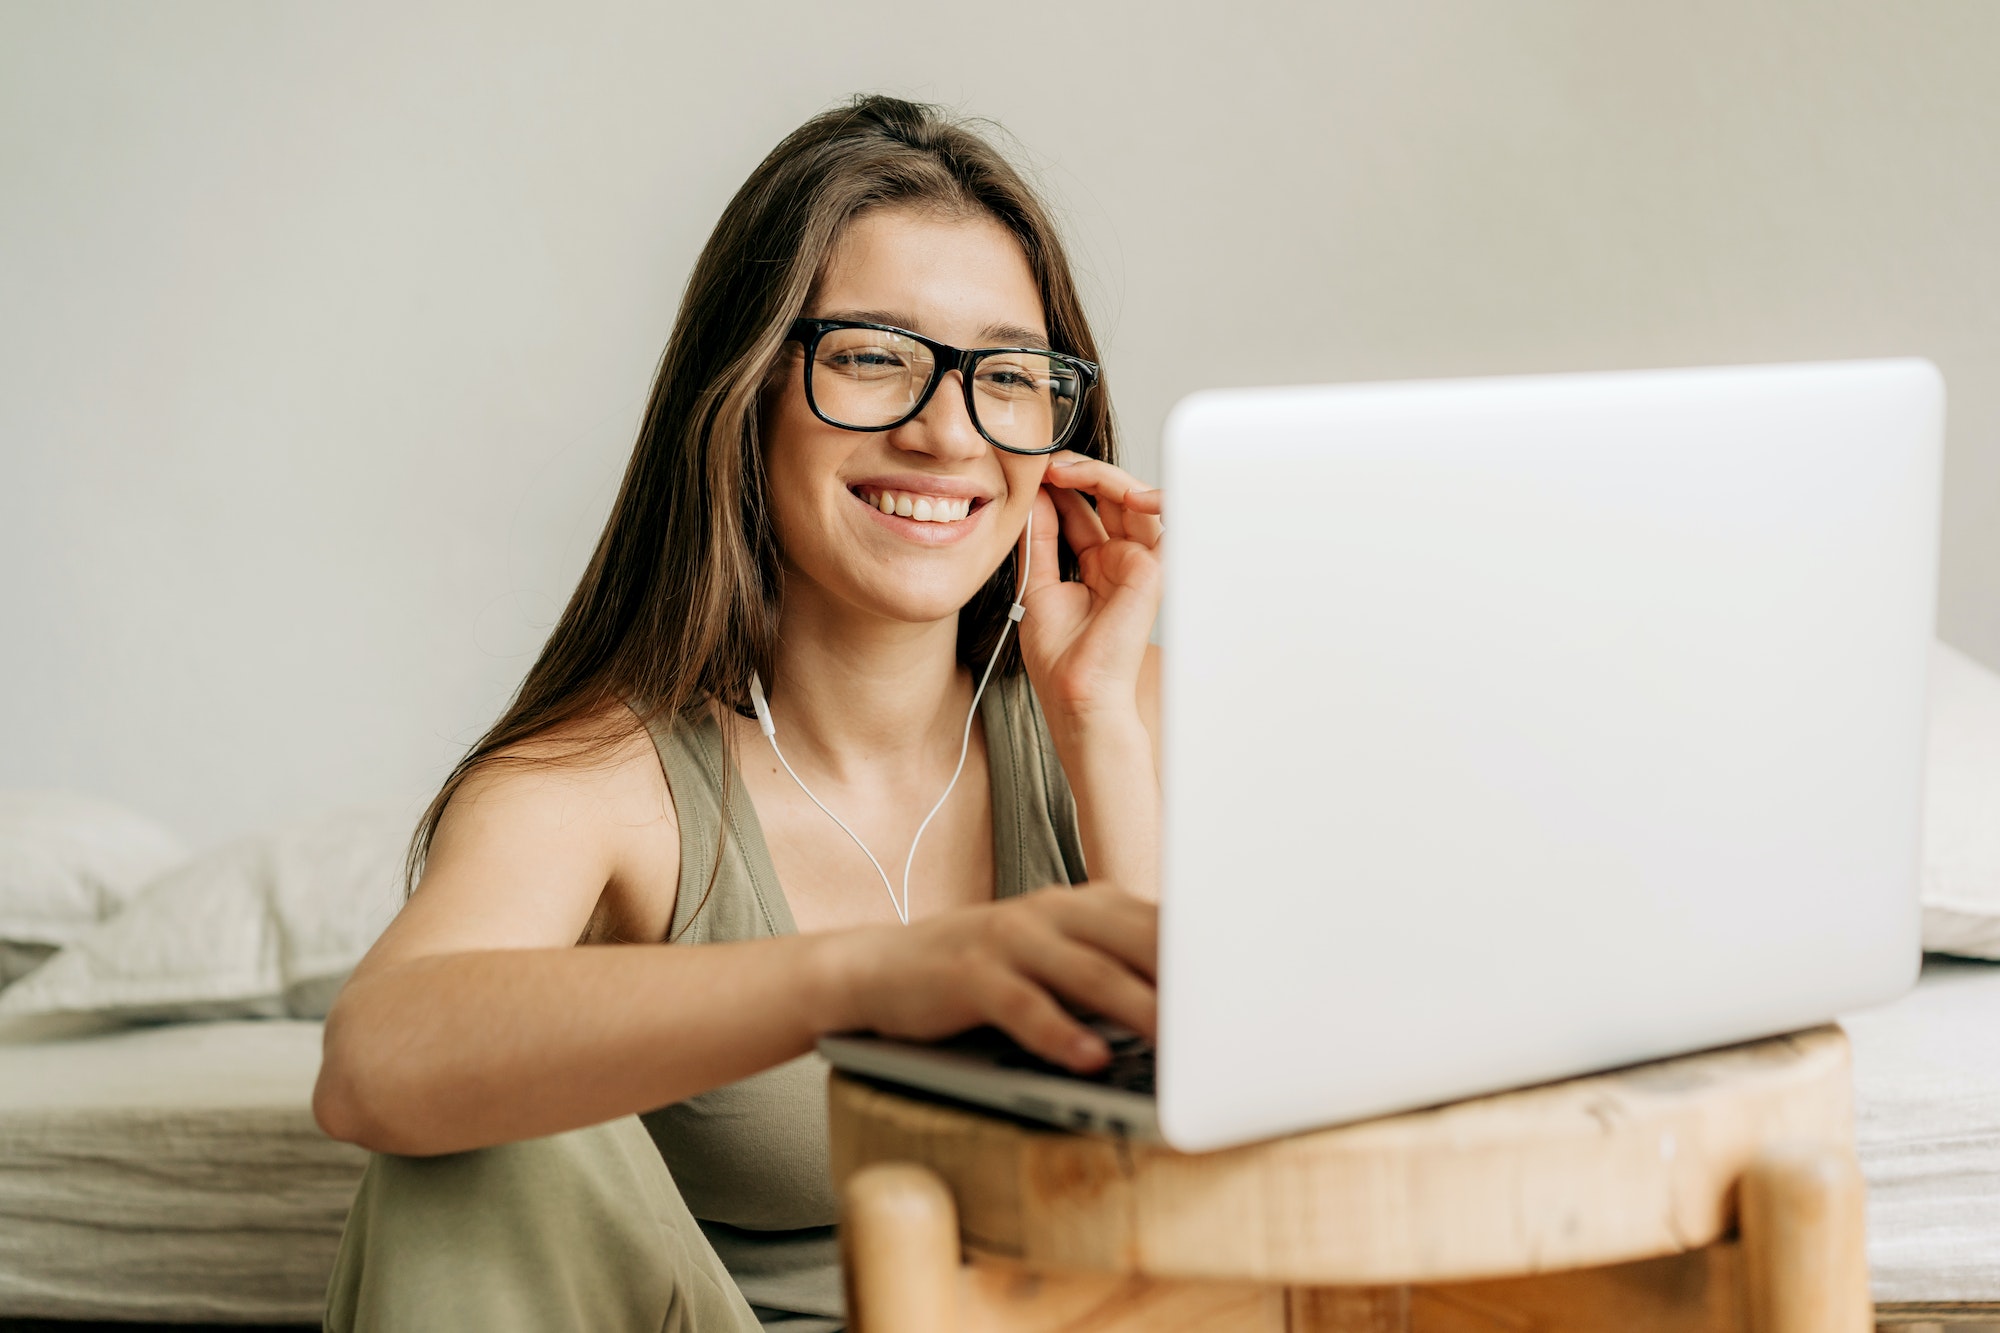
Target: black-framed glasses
column 859, row 376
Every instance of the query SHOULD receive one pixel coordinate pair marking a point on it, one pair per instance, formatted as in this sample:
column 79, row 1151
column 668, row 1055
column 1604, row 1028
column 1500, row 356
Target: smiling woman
column 880, row 391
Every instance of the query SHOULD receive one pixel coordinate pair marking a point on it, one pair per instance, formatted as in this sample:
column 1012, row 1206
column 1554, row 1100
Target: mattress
column 169, row 1174
column 1927, row 1122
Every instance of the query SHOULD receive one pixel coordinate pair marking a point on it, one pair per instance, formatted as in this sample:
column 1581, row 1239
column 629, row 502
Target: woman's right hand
column 1012, row 964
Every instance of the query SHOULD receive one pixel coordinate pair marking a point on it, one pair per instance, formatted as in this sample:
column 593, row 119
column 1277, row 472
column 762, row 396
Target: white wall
column 324, row 330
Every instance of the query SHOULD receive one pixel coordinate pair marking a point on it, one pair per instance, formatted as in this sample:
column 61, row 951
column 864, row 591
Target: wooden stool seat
column 1608, row 1170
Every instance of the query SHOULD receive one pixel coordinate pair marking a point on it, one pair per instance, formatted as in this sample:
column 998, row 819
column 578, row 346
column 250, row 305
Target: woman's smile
column 923, row 508
column 934, row 511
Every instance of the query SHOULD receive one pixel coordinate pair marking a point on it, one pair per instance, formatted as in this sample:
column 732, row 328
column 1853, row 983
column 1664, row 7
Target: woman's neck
column 854, row 692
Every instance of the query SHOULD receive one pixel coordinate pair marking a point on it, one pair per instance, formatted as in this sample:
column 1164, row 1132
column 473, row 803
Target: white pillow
column 265, row 927
column 18, row 959
column 68, row 862
column 1962, row 808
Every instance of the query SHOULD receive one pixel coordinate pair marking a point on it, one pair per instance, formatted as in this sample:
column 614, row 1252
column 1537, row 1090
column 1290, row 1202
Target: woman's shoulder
column 607, row 756
column 580, row 816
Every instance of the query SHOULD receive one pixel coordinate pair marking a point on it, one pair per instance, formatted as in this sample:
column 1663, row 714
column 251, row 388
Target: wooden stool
column 1711, row 1193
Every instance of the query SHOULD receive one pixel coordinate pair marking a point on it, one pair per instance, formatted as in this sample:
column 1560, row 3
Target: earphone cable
column 901, row 911
column 770, row 729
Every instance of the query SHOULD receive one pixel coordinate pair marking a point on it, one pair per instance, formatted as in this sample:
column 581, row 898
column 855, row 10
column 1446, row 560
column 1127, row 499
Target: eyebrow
column 994, row 335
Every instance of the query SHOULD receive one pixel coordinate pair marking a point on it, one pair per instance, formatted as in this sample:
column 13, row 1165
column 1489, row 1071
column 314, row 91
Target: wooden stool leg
column 899, row 1241
column 1805, row 1242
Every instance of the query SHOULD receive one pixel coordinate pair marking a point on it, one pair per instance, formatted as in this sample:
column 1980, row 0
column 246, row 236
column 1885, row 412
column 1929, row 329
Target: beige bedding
column 1927, row 1119
column 169, row 1174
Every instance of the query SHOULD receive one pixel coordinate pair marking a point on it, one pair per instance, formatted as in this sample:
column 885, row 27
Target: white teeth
column 922, row 508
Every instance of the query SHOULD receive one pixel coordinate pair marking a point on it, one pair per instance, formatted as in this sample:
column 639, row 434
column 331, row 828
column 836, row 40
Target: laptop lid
column 1522, row 727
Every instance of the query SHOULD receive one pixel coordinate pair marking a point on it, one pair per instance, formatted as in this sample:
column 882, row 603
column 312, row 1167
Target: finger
column 1104, row 480
column 1081, row 527
column 1140, row 525
column 1114, row 921
column 1031, row 1016
column 1043, row 555
column 1121, row 522
column 1112, row 515
column 1095, row 982
column 1127, row 506
column 1123, row 579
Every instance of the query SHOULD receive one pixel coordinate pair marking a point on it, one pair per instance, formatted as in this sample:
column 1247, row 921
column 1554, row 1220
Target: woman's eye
column 1012, row 379
column 865, row 360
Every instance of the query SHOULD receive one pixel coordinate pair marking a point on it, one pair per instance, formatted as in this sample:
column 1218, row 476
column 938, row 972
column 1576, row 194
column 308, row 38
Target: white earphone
column 770, row 730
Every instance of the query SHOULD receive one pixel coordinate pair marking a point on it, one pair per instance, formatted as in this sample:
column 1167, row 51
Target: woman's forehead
column 960, row 278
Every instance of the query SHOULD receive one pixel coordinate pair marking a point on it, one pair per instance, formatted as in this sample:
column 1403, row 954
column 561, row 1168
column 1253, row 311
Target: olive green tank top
column 750, row 1158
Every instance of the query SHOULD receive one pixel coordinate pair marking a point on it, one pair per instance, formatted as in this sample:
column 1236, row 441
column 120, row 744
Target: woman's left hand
column 1084, row 642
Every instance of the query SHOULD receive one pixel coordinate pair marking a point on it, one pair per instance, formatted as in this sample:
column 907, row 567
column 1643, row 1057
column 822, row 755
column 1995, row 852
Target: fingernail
column 1071, row 461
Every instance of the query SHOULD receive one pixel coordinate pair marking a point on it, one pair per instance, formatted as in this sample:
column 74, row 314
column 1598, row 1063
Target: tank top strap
column 1035, row 836
column 728, row 889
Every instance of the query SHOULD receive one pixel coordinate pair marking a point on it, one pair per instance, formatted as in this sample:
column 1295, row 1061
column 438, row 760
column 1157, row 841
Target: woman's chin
column 916, row 600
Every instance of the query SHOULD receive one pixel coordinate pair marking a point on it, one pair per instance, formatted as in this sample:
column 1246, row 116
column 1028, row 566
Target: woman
column 830, row 499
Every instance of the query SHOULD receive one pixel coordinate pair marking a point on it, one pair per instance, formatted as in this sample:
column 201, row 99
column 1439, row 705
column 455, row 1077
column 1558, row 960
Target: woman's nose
column 944, row 428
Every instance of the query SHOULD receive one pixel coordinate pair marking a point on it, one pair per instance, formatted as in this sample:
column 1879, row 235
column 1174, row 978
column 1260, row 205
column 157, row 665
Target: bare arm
column 449, row 1051
column 1113, row 768
column 475, row 1019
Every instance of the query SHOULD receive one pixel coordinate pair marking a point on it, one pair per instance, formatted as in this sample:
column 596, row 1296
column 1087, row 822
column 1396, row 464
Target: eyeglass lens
column 870, row 378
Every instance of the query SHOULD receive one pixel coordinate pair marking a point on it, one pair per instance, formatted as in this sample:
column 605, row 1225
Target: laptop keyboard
column 1130, row 1070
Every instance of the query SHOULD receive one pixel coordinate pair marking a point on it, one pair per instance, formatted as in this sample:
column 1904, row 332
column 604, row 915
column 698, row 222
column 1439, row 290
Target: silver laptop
column 1517, row 728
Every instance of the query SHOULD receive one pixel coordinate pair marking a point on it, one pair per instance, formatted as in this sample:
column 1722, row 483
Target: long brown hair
column 680, row 601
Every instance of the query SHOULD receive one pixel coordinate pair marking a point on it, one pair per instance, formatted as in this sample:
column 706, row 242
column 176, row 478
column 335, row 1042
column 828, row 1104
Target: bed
column 168, row 1174
column 1927, row 1118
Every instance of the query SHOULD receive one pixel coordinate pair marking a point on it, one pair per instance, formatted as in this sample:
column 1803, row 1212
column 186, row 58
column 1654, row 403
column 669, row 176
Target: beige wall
column 324, row 329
